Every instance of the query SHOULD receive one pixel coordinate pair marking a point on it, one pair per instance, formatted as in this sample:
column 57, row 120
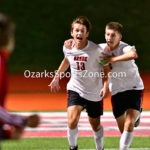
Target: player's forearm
column 105, row 82
column 127, row 56
column 62, row 68
column 11, row 119
column 106, row 78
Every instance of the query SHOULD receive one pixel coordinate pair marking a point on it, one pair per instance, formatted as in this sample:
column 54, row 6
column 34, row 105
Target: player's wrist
column 106, row 85
column 104, row 62
column 118, row 58
column 56, row 78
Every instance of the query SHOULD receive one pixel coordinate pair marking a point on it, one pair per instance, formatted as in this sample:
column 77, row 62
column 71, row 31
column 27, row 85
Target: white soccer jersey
column 130, row 78
column 85, row 71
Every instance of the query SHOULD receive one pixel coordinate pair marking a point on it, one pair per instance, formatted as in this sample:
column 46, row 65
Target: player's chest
column 81, row 61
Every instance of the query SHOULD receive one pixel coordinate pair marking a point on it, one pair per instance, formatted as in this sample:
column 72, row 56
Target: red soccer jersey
column 3, row 77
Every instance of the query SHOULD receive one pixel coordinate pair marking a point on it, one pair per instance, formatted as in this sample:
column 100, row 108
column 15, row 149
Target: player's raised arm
column 54, row 85
column 124, row 57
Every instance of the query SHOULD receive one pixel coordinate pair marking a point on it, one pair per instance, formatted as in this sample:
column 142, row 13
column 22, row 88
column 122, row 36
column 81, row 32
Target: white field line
column 64, row 114
column 85, row 128
column 117, row 149
column 60, row 124
column 51, row 120
column 112, row 149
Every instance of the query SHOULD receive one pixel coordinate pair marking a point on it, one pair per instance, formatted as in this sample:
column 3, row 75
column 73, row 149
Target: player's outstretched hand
column 108, row 58
column 33, row 121
column 68, row 43
column 54, row 85
column 104, row 93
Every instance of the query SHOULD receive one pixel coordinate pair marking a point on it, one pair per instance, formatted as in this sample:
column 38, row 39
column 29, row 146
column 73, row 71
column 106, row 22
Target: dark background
column 43, row 25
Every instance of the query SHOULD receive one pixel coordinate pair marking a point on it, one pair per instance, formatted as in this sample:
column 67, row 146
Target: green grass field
column 62, row 143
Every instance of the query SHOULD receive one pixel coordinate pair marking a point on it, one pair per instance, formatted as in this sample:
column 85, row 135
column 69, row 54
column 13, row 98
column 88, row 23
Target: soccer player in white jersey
column 127, row 91
column 85, row 89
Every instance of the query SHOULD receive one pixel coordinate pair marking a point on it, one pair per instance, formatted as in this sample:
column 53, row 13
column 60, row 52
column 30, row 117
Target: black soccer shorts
column 94, row 109
column 130, row 99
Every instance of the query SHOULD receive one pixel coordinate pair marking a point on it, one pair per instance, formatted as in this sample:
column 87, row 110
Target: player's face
column 112, row 38
column 79, row 33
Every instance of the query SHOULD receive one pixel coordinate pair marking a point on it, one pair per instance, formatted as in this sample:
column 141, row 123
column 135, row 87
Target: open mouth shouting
column 79, row 38
column 109, row 42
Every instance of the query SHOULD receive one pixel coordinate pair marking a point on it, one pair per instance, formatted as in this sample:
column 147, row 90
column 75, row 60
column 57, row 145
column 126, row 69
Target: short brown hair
column 82, row 20
column 7, row 28
column 115, row 26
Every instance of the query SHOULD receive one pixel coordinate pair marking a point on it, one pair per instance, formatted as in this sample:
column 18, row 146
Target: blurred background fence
column 43, row 25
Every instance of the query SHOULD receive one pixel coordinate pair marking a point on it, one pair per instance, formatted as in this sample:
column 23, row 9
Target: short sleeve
column 64, row 51
column 128, row 48
column 99, row 54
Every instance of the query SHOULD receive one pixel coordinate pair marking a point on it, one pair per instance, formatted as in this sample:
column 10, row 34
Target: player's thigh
column 94, row 109
column 95, row 123
column 75, row 106
column 131, row 115
column 118, row 105
column 73, row 113
column 120, row 122
column 122, row 101
column 74, row 99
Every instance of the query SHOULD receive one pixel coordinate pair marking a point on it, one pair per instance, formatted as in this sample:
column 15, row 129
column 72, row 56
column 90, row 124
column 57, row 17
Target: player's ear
column 105, row 35
column 87, row 34
column 120, row 37
column 71, row 33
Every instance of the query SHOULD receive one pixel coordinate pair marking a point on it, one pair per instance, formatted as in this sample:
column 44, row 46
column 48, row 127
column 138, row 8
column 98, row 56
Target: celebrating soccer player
column 84, row 90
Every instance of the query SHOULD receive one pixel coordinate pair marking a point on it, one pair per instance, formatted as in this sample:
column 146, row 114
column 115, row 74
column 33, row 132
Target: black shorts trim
column 131, row 99
column 94, row 109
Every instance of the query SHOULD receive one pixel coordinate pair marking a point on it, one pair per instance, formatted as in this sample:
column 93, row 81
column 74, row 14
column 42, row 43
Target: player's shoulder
column 94, row 46
column 122, row 44
column 126, row 47
column 65, row 50
column 102, row 46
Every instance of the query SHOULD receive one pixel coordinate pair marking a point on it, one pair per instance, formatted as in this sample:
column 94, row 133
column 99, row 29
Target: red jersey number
column 80, row 65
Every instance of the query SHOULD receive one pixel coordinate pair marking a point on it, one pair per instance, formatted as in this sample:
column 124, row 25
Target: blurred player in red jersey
column 7, row 28
column 11, row 126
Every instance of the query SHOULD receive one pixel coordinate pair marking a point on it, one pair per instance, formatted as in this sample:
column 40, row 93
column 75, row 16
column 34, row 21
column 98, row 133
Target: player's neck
column 114, row 47
column 81, row 45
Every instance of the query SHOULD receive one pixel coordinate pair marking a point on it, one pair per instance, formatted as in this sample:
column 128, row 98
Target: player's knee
column 95, row 126
column 72, row 123
column 129, row 125
column 121, row 130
